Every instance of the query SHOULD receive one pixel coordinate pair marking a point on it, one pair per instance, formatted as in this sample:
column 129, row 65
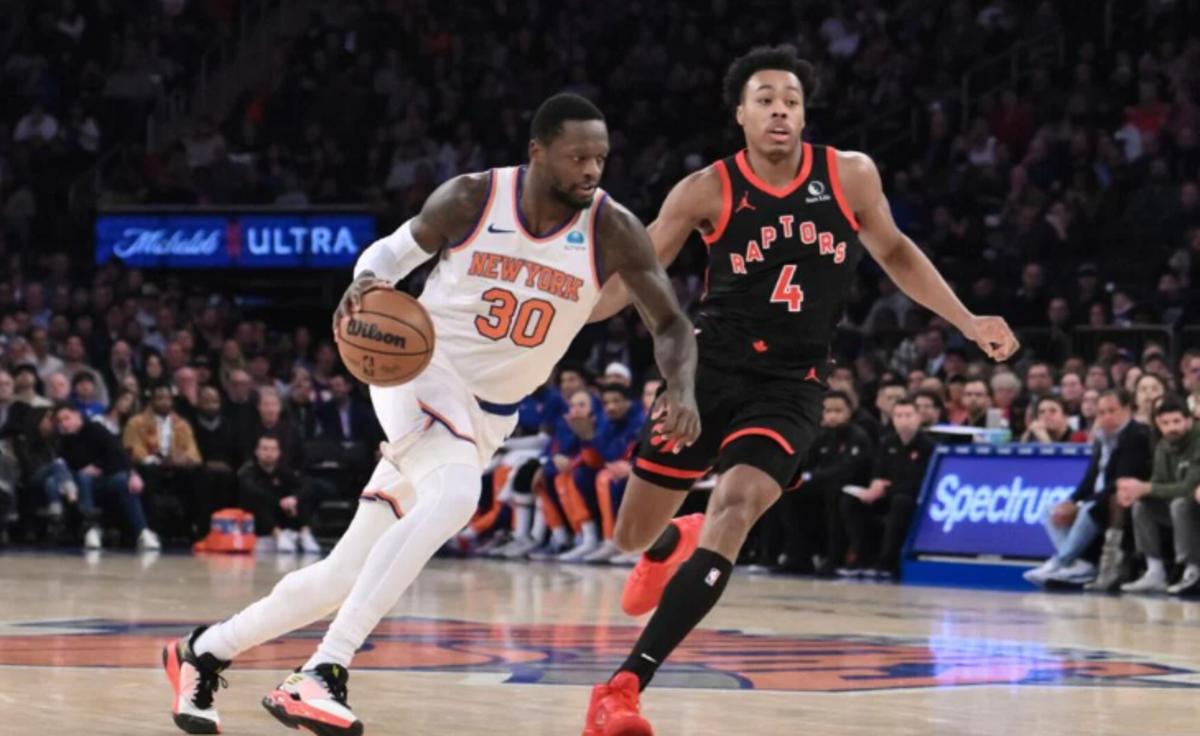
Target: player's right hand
column 677, row 418
column 352, row 298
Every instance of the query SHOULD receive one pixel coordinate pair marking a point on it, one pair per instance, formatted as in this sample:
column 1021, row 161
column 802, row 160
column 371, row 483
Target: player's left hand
column 993, row 336
column 678, row 419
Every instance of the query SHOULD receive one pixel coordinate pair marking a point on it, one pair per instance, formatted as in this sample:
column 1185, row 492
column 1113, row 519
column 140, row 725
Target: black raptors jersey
column 780, row 264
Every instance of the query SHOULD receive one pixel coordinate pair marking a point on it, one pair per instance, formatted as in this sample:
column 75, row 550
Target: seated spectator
column 1147, row 391
column 271, row 419
column 240, row 406
column 43, row 474
column 75, row 363
column 841, row 456
column 301, row 405
column 102, row 473
column 1006, row 388
column 976, row 401
column 220, row 447
column 930, row 408
column 58, row 387
column 1122, row 449
column 604, row 468
column 83, row 396
column 891, row 498
column 1071, row 390
column 1167, row 500
column 889, row 394
column 1052, row 424
column 164, row 451
column 274, row 493
column 345, row 417
column 116, row 416
column 618, row 373
column 186, row 387
column 1039, row 380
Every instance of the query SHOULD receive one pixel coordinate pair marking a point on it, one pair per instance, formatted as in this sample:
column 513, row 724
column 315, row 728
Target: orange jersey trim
column 668, row 471
column 835, row 181
column 445, row 422
column 743, row 165
column 760, row 432
column 726, row 205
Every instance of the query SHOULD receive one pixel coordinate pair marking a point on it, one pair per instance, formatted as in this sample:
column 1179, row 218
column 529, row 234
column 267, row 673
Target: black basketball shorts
column 765, row 422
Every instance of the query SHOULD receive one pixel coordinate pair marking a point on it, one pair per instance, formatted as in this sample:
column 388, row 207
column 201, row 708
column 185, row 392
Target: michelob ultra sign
column 233, row 239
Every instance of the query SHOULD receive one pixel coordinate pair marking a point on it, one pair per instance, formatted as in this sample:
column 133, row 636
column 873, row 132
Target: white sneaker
column 628, row 559
column 1078, row 573
column 308, row 543
column 1189, row 583
column 285, row 542
column 148, row 541
column 603, row 554
column 93, row 539
column 1040, row 574
column 577, row 553
column 1150, row 582
column 316, row 700
column 518, row 549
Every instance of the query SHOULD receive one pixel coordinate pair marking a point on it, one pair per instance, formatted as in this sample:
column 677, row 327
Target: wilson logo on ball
column 371, row 331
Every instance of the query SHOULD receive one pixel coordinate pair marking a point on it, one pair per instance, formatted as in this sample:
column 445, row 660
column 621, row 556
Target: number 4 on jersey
column 787, row 292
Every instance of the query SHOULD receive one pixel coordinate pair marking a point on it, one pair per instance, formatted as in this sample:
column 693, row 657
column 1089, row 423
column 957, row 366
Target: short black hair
column 1123, row 397
column 783, row 58
column 841, row 395
column 906, row 402
column 62, row 406
column 614, row 387
column 933, row 396
column 1050, row 398
column 83, row 377
column 1171, row 404
column 558, row 109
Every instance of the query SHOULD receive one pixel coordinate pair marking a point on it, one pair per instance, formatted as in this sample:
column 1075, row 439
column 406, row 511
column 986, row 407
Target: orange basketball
column 389, row 341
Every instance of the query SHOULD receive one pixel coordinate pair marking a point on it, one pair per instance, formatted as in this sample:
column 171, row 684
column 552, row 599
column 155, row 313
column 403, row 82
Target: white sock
column 538, row 532
column 591, row 534
column 522, row 518
column 447, row 497
column 303, row 596
column 560, row 536
column 1154, row 566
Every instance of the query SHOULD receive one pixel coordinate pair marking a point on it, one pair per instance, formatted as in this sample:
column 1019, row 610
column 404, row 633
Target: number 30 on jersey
column 526, row 323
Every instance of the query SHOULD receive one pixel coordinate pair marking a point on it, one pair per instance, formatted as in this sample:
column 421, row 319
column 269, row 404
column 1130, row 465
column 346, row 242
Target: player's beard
column 564, row 196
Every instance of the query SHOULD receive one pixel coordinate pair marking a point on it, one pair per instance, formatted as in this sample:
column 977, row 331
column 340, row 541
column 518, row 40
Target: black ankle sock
column 665, row 544
column 688, row 598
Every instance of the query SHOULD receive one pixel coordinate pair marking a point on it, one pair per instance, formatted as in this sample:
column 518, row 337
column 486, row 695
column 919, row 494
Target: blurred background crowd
column 1045, row 155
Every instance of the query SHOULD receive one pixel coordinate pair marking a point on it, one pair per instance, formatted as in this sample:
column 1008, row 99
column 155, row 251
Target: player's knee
column 742, row 499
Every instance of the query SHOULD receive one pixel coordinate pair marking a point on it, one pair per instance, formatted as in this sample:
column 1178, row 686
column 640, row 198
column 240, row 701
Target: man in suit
column 345, row 417
column 1122, row 449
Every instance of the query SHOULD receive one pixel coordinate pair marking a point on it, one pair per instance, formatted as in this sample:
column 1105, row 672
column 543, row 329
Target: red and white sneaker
column 614, row 709
column 645, row 584
column 195, row 679
column 316, row 700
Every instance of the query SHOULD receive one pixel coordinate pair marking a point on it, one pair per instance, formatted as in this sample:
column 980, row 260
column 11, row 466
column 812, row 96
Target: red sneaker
column 645, row 585
column 614, row 709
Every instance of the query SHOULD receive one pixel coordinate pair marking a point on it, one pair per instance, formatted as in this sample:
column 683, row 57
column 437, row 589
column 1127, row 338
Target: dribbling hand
column 677, row 419
column 352, row 298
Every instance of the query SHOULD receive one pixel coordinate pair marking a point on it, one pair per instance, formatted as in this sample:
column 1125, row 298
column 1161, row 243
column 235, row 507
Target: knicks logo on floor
column 578, row 655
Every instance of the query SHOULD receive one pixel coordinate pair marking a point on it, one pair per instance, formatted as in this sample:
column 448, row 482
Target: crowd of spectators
column 1066, row 199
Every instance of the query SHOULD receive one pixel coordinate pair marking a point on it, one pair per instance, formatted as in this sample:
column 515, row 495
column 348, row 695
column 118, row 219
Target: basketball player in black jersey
column 785, row 223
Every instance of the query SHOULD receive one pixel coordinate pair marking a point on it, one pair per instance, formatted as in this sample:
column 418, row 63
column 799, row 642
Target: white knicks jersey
column 506, row 304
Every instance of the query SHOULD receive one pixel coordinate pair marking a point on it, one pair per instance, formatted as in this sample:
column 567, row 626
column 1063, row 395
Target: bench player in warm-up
column 785, row 223
column 522, row 253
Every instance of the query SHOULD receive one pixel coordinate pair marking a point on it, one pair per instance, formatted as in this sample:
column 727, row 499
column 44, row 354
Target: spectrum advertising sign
column 985, row 500
column 233, row 239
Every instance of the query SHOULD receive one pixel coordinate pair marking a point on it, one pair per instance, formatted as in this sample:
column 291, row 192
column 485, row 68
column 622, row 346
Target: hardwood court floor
column 507, row 648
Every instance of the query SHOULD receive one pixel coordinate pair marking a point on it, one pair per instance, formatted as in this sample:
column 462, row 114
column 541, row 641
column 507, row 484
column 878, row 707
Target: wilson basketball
column 389, row 341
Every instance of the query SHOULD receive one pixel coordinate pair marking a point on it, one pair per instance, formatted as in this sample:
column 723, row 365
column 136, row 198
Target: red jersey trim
column 760, row 432
column 835, row 182
column 743, row 165
column 726, row 205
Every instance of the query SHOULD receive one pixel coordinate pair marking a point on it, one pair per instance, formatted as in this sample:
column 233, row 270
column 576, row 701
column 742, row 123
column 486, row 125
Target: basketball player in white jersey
column 522, row 253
